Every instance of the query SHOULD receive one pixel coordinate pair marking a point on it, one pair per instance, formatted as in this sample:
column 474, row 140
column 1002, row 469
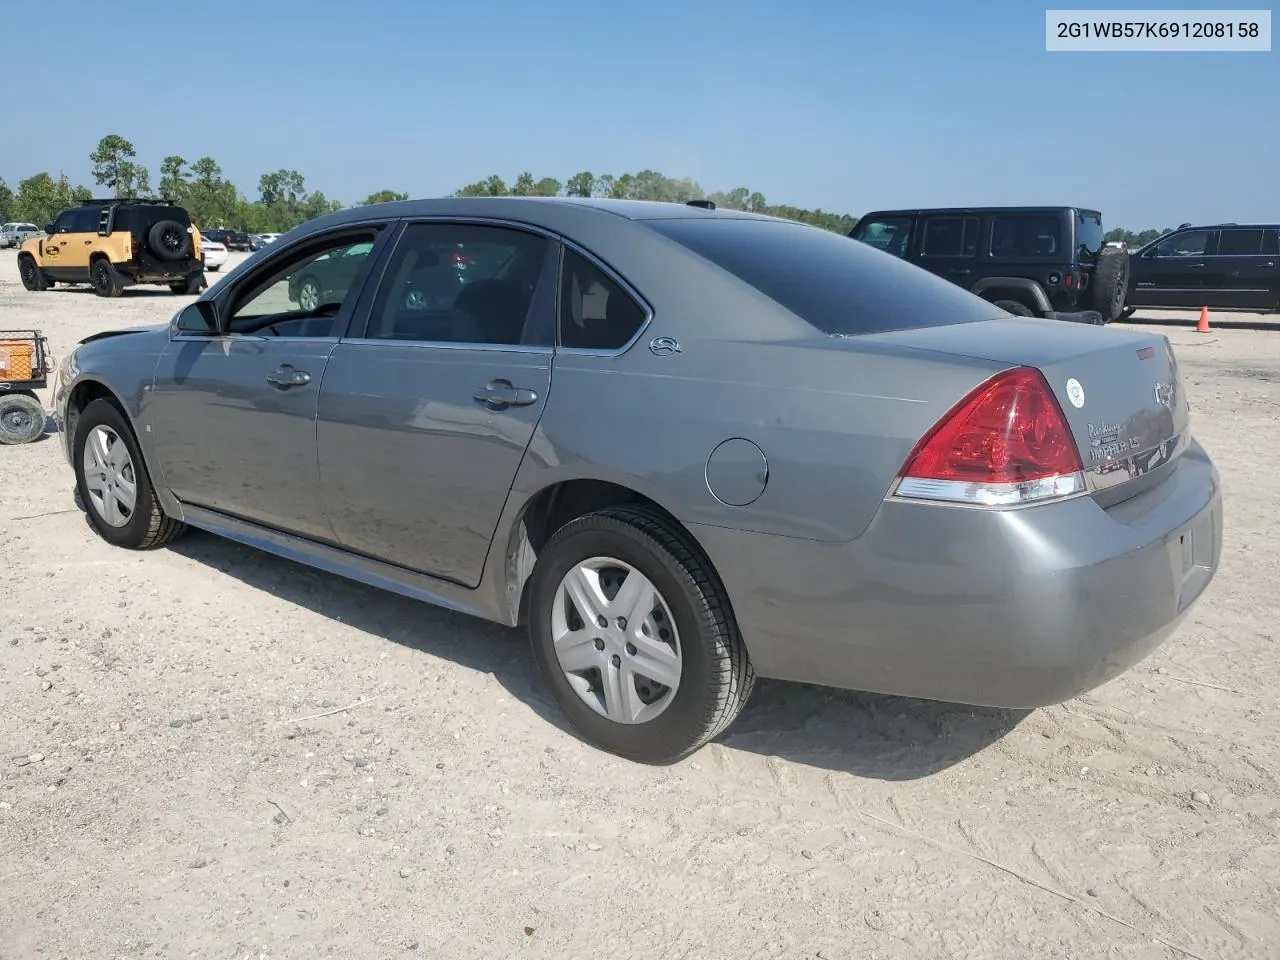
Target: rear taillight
column 1006, row 443
column 134, row 247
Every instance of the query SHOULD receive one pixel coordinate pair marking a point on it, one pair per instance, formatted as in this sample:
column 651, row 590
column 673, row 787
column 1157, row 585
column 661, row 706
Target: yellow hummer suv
column 113, row 244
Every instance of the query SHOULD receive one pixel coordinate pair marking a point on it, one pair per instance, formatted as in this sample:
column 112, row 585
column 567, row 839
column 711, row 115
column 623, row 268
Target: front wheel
column 633, row 632
column 113, row 484
column 22, row 418
column 33, row 277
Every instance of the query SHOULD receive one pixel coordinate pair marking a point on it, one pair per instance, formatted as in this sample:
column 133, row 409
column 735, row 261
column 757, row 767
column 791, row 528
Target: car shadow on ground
column 867, row 735
column 160, row 290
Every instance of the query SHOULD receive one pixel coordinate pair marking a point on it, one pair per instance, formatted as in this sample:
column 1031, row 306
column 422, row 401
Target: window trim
column 374, row 284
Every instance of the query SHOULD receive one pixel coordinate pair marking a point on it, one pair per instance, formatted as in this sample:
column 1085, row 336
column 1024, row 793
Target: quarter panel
column 834, row 422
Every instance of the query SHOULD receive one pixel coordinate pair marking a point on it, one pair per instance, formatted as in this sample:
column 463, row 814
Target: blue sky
column 840, row 104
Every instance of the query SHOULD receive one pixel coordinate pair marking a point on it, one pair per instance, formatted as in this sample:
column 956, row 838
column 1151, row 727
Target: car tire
column 309, row 293
column 689, row 635
column 169, row 240
column 141, row 526
column 215, row 268
column 1110, row 284
column 1126, row 313
column 188, row 287
column 103, row 278
column 22, row 418
column 33, row 277
column 1014, row 307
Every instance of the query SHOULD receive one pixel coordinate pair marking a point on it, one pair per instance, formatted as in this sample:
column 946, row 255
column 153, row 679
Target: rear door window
column 950, row 237
column 838, row 286
column 1239, row 243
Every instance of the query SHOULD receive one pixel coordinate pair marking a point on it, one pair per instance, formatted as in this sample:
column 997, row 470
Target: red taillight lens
column 134, row 247
column 1006, row 442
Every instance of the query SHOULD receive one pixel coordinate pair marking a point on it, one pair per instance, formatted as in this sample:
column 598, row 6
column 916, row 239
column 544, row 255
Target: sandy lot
column 158, row 798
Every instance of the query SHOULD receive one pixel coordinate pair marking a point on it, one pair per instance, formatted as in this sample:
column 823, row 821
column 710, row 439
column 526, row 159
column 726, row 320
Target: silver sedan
column 685, row 447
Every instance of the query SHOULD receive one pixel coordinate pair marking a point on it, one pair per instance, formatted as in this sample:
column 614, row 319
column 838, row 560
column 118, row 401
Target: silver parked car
column 15, row 234
column 686, row 447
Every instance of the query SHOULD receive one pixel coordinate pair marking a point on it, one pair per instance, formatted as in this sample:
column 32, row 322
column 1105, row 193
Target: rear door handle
column 1191, row 266
column 961, row 273
column 1269, row 263
column 500, row 394
column 284, row 377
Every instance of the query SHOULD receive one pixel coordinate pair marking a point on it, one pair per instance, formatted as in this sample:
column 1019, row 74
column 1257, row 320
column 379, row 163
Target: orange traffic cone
column 1203, row 325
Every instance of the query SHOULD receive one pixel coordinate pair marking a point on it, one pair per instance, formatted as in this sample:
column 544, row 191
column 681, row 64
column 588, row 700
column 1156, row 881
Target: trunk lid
column 1120, row 390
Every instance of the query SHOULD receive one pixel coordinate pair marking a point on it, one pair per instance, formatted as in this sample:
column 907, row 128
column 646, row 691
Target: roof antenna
column 703, row 204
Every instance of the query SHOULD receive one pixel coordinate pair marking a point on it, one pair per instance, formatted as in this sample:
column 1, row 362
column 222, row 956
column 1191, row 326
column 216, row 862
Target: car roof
column 532, row 209
column 917, row 211
column 1220, row 226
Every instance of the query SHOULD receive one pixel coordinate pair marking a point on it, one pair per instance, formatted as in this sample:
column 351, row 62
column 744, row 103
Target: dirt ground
column 158, row 798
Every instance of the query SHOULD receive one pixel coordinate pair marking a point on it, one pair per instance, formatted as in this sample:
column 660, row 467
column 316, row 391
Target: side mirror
column 200, row 317
column 48, row 228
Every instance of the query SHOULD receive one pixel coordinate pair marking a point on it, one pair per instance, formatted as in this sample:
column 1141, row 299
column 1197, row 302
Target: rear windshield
column 1088, row 234
column 835, row 283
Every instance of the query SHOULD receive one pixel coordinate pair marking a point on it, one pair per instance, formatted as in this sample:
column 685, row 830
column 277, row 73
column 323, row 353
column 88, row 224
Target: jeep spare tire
column 1110, row 283
column 169, row 240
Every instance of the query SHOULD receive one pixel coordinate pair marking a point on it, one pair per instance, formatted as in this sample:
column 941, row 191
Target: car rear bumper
column 1007, row 608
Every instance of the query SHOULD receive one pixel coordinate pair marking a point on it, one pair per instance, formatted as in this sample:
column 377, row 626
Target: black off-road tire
column 716, row 674
column 188, row 287
column 1014, row 307
column 33, row 277
column 1126, row 313
column 1110, row 283
column 22, row 418
column 150, row 526
column 169, row 240
column 104, row 280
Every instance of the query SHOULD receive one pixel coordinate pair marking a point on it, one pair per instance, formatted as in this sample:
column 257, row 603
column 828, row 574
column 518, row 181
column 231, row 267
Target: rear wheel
column 33, row 277
column 1014, row 307
column 189, row 286
column 633, row 632
column 105, row 283
column 113, row 484
column 22, row 418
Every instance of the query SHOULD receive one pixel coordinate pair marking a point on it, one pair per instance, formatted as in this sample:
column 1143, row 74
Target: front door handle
column 961, row 273
column 1192, row 266
column 284, row 377
column 500, row 394
column 1269, row 263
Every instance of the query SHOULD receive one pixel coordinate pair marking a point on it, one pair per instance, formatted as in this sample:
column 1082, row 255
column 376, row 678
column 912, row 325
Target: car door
column 79, row 241
column 1172, row 272
column 949, row 247
column 428, row 407
column 233, row 410
column 55, row 249
column 1238, row 276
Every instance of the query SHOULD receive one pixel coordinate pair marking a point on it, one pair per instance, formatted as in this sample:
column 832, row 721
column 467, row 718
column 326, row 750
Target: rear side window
column 1271, row 242
column 85, row 220
column 838, row 285
column 1239, row 243
column 595, row 312
column 1026, row 236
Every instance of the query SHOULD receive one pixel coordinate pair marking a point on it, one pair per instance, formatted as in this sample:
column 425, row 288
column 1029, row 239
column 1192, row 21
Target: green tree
column 41, row 198
column 523, row 187
column 174, row 178
column 114, row 167
column 383, row 196
column 6, row 202
column 489, row 187
column 211, row 200
column 580, row 184
column 547, row 187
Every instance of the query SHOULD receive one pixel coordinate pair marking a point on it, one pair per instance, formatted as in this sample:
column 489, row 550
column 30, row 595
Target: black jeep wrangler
column 1030, row 261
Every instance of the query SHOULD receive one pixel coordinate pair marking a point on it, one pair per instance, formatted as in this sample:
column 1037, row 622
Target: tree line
column 283, row 200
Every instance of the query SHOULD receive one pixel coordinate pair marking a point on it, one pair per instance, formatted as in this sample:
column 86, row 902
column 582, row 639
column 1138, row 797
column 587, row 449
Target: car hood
column 125, row 332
